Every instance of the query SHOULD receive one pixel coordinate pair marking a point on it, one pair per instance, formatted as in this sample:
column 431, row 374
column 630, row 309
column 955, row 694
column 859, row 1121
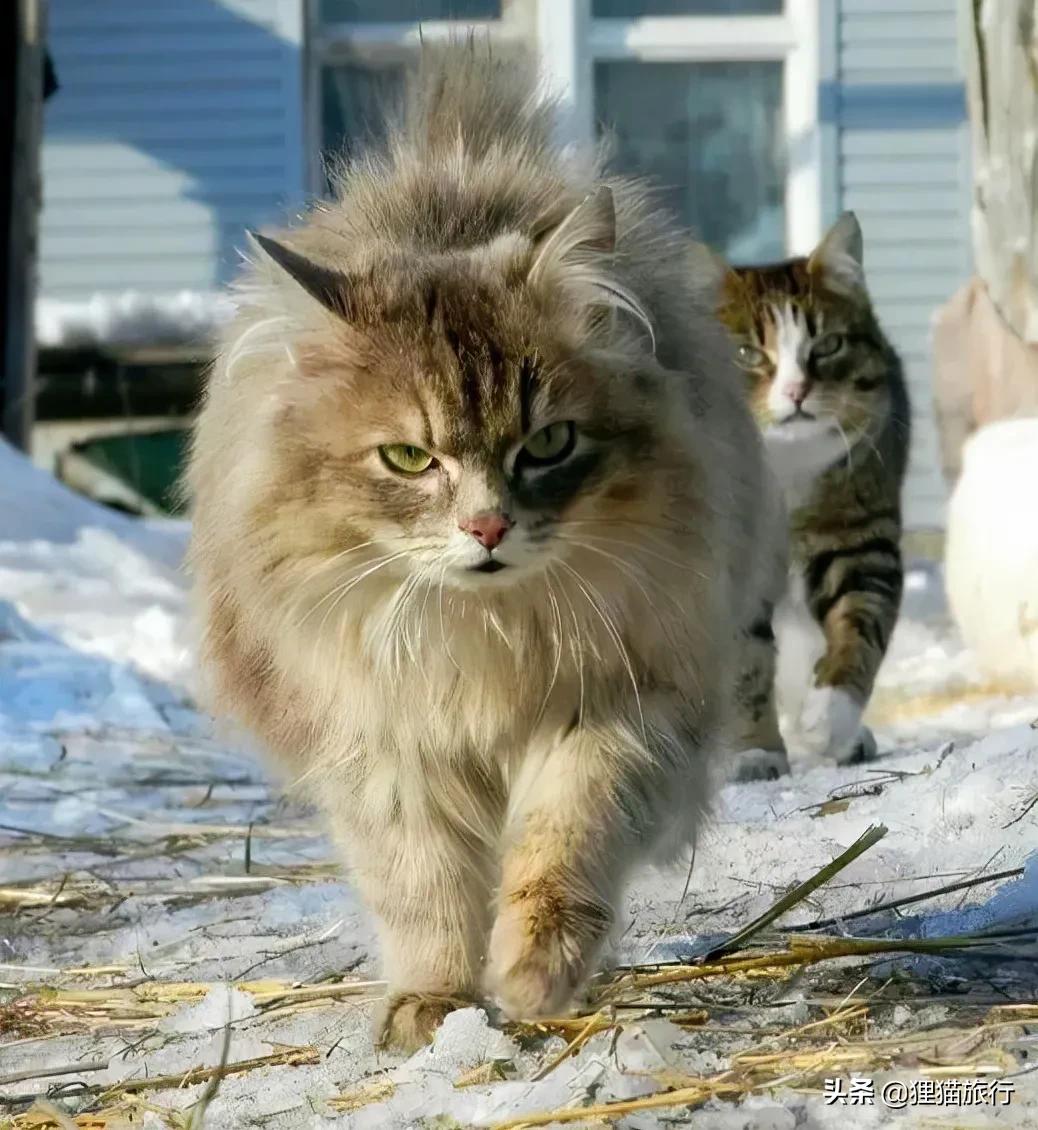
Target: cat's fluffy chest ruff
column 488, row 678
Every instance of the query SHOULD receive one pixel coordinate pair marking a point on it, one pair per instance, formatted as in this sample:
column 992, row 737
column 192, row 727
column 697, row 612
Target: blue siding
column 898, row 104
column 177, row 124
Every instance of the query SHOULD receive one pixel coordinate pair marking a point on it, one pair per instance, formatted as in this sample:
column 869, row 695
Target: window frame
column 568, row 42
column 387, row 43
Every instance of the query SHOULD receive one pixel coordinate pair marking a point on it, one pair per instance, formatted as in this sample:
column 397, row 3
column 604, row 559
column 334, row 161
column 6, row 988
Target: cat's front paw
column 829, row 724
column 541, row 946
column 864, row 749
column 408, row 1021
column 757, row 765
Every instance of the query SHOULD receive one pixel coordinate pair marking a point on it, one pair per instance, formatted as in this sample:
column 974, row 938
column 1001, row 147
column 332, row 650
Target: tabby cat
column 827, row 390
column 478, row 508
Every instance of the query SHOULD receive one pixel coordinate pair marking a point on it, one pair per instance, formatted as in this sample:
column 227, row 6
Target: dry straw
column 975, row 1042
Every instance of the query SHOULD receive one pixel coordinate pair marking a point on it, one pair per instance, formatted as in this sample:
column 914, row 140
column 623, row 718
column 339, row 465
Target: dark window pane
column 407, row 11
column 629, row 9
column 711, row 136
column 354, row 101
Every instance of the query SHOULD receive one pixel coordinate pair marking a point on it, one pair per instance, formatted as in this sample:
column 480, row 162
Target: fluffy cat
column 827, row 390
column 478, row 510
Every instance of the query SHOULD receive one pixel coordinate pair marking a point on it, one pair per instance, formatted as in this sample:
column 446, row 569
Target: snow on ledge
column 131, row 318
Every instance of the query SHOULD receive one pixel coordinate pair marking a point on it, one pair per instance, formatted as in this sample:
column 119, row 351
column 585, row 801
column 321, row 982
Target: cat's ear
column 730, row 290
column 591, row 226
column 331, row 288
column 841, row 254
column 576, row 248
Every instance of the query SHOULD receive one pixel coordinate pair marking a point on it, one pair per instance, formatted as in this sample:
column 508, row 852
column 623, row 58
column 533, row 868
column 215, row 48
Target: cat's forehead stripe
column 481, row 396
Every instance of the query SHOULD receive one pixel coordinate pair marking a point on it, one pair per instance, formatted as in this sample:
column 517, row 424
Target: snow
column 136, row 841
column 992, row 556
column 131, row 318
column 223, row 1004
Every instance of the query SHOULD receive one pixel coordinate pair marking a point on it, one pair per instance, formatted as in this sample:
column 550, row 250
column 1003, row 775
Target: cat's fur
column 806, row 331
column 493, row 752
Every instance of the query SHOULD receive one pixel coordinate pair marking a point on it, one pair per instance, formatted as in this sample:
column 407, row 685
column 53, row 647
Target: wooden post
column 23, row 32
column 1002, row 84
column 986, row 355
column 986, row 336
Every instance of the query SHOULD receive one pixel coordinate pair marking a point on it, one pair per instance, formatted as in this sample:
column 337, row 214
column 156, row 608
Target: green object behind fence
column 149, row 463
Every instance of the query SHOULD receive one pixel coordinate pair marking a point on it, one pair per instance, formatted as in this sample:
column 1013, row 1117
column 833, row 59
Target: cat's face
column 458, row 431
column 806, row 336
column 483, row 458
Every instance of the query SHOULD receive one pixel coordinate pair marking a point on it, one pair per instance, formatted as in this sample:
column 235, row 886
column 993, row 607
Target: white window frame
column 569, row 42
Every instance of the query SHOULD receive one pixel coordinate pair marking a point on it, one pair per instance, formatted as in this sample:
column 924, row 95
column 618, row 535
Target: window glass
column 630, row 9
column 407, row 11
column 711, row 137
column 354, row 102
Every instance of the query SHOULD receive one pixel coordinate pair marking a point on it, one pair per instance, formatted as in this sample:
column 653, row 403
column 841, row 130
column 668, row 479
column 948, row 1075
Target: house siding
column 181, row 122
column 902, row 165
column 177, row 124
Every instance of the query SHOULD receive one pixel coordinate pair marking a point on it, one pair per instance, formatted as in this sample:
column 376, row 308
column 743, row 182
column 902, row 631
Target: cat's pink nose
column 797, row 393
column 488, row 528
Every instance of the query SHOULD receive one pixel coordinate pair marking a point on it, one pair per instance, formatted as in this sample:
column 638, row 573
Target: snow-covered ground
column 131, row 318
column 163, row 909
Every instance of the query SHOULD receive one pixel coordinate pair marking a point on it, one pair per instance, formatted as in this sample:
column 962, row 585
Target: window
column 353, row 102
column 359, row 52
column 710, row 136
column 715, row 100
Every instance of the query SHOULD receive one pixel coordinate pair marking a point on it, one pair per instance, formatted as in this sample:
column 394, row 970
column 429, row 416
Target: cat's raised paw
column 540, row 947
column 408, row 1021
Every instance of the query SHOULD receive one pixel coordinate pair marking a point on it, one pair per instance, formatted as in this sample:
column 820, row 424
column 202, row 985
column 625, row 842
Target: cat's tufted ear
column 840, row 254
column 576, row 248
column 331, row 288
column 591, row 226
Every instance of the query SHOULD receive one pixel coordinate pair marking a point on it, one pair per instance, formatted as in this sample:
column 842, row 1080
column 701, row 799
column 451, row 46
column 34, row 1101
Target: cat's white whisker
column 634, row 573
column 346, row 589
column 557, row 623
column 609, row 624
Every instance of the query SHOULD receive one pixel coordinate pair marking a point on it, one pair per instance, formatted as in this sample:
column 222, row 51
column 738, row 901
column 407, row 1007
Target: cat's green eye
column 827, row 345
column 551, row 444
column 750, row 357
column 405, row 458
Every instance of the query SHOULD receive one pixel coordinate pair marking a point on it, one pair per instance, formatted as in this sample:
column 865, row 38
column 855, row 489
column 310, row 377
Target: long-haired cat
column 478, row 512
column 827, row 390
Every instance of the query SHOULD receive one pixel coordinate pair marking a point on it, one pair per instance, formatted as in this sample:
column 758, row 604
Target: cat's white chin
column 487, row 575
column 492, row 573
column 800, row 429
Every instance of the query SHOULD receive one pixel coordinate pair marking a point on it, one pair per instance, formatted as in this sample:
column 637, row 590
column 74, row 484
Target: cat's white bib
column 799, row 452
